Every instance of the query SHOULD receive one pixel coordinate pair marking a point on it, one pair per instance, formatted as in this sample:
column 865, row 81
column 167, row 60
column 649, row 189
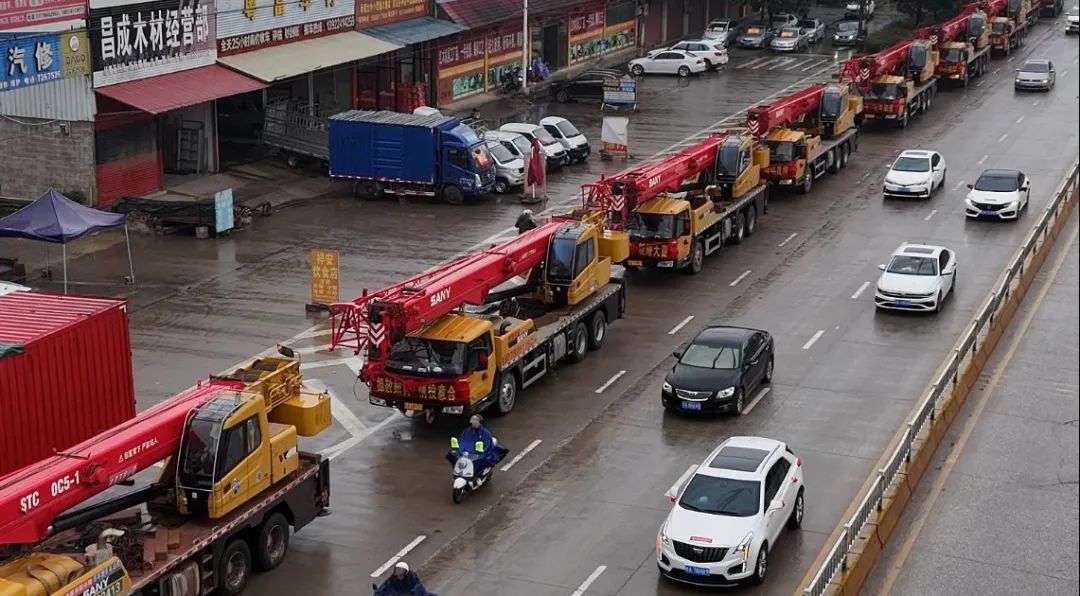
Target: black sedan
column 720, row 368
column 587, row 86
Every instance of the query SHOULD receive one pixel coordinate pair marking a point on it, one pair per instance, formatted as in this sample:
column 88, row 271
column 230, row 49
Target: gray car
column 1035, row 74
column 757, row 35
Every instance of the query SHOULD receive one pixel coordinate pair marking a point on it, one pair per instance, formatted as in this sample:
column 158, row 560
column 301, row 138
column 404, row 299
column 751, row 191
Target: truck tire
column 366, row 189
column 579, row 340
column 808, row 182
column 234, row 568
column 738, row 229
column 508, row 389
column 293, row 160
column 902, row 122
column 597, row 330
column 832, row 159
column 697, row 257
column 751, row 220
column 501, row 186
column 272, row 542
column 845, row 154
column 453, row 195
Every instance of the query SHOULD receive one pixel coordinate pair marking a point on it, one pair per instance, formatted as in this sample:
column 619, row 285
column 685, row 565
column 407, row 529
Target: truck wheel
column 293, row 160
column 832, row 160
column 598, row 330
column 366, row 189
column 234, row 568
column 273, row 542
column 501, row 186
column 453, row 195
column 808, row 182
column 580, row 339
column 738, row 229
column 697, row 258
column 751, row 220
column 845, row 153
column 508, row 388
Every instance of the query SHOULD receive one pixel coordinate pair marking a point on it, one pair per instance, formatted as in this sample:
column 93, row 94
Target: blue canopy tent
column 57, row 219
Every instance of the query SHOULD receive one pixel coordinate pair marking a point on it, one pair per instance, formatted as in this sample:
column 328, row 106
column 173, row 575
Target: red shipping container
column 71, row 382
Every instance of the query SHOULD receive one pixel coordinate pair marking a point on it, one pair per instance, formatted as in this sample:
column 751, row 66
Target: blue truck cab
column 410, row 155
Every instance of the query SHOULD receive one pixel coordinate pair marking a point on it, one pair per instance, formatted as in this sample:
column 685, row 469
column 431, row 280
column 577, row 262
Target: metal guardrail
column 957, row 364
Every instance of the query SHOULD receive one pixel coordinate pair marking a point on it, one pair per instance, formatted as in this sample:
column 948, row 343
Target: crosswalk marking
column 802, row 63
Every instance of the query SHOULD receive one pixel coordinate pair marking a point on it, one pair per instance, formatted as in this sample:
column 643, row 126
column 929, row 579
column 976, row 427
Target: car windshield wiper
column 691, row 507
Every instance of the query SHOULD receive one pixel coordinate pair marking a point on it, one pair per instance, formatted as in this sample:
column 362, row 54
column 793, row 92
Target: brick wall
column 39, row 156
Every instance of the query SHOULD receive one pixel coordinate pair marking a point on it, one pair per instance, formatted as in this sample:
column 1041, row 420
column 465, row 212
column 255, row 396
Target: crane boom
column 31, row 498
column 950, row 30
column 408, row 306
column 784, row 111
column 861, row 69
column 621, row 193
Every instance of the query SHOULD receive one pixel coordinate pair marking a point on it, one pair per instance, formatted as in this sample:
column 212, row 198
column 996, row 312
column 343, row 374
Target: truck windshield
column 953, row 55
column 884, row 91
column 560, row 262
column 200, row 453
column 481, row 157
column 782, row 152
column 830, row 105
column 998, row 28
column 651, row 226
column 432, row 357
column 728, row 159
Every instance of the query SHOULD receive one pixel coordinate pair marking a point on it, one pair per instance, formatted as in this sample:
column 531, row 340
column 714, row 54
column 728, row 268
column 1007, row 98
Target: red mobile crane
column 450, row 341
column 784, row 112
column 187, row 524
column 896, row 82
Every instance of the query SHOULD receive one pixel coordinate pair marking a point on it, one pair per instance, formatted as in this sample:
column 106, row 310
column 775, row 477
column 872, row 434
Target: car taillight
column 717, row 54
column 697, row 62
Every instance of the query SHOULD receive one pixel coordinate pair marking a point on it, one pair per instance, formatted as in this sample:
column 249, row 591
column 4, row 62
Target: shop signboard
column 614, row 139
column 619, row 36
column 146, row 39
column 461, row 68
column 246, row 25
column 503, row 54
column 586, row 35
column 33, row 59
column 376, row 13
column 223, row 211
column 16, row 14
column 620, row 92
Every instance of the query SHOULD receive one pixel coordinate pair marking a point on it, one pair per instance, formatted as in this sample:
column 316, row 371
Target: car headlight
column 667, row 387
column 662, row 539
column 743, row 550
column 726, row 392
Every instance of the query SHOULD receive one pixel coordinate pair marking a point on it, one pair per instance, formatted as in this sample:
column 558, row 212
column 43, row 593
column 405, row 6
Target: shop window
column 620, row 13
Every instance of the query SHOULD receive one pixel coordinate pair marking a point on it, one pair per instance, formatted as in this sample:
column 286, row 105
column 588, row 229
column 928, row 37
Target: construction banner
column 614, row 138
column 324, row 276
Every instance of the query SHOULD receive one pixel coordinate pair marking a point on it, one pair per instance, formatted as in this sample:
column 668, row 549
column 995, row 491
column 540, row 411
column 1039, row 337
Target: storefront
column 156, row 81
column 47, row 109
column 404, row 79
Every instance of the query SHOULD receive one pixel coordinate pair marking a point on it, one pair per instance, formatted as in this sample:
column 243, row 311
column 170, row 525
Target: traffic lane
column 903, row 387
column 1021, row 458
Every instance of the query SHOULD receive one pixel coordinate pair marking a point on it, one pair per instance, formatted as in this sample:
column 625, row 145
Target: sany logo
column 440, row 296
column 654, row 180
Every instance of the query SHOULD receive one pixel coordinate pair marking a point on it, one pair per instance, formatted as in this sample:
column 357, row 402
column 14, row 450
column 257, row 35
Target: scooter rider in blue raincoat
column 479, row 441
column 403, row 582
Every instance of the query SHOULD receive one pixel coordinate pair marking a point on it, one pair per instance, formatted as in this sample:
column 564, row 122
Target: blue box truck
column 408, row 154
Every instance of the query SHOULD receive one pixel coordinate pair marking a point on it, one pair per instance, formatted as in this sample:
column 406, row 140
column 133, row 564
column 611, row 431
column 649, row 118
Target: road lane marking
column 816, row 64
column 401, row 553
column 760, row 395
column 864, row 176
column 754, row 61
column 930, row 215
column 1002, row 138
column 1036, row 104
column 789, row 238
column 859, row 292
column 313, row 349
column 740, row 278
column 979, row 84
column 810, row 343
column 1020, row 119
column 315, row 333
column 333, row 451
column 973, row 421
column 996, row 70
column 982, row 159
column 611, row 381
column 798, row 65
column 681, row 324
column 959, row 185
column 1064, row 73
column 784, row 62
column 521, row 456
column 589, row 580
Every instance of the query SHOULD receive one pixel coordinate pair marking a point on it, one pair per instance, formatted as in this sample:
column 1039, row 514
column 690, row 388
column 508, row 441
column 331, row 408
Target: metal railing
column 928, row 409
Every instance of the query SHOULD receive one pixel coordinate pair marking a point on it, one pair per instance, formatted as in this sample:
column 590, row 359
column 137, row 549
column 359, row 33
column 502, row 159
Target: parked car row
column 511, row 148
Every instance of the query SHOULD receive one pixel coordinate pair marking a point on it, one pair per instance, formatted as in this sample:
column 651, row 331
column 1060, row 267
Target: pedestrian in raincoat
column 525, row 221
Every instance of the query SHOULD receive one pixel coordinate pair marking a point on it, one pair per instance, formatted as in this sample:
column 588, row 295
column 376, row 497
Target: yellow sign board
column 324, row 276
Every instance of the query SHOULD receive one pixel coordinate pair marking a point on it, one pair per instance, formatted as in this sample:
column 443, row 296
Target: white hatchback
column 730, row 512
column 998, row 194
column 918, row 277
column 916, row 173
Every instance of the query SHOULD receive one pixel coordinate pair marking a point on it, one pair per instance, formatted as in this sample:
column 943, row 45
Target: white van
column 509, row 168
column 571, row 138
column 556, row 155
column 517, row 144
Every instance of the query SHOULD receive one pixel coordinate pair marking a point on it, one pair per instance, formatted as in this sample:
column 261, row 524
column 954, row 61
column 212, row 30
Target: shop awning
column 478, row 13
column 415, row 30
column 165, row 93
column 301, row 57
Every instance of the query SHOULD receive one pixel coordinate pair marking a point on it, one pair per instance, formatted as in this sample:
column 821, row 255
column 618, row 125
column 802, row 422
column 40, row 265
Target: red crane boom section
column 622, row 192
column 784, row 111
column 32, row 498
column 950, row 30
column 992, row 8
column 419, row 301
column 861, row 69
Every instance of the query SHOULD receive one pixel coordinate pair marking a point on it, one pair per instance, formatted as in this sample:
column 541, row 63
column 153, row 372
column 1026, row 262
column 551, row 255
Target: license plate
column 989, row 212
column 903, row 303
column 691, row 405
column 414, row 407
column 633, row 263
column 691, row 570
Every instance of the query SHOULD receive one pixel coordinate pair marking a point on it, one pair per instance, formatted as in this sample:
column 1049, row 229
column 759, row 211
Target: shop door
column 696, row 16
column 128, row 157
column 654, row 23
column 552, row 46
column 674, row 19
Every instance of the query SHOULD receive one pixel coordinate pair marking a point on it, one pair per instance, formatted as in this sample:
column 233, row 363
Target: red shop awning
column 165, row 93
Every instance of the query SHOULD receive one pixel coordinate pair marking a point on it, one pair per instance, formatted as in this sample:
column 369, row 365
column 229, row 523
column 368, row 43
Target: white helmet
column 402, row 565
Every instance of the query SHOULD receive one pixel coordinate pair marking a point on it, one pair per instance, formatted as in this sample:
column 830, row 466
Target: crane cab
column 922, row 60
column 978, row 29
column 739, row 165
column 840, row 110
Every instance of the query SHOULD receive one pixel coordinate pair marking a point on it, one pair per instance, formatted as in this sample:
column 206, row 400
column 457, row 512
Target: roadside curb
column 856, row 565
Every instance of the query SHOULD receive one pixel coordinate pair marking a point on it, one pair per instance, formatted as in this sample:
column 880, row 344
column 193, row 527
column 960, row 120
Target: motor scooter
column 466, row 478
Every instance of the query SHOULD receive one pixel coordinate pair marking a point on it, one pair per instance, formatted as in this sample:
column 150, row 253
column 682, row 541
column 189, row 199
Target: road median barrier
column 853, row 554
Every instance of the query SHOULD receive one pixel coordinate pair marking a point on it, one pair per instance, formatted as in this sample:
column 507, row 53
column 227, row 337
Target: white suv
column 730, row 512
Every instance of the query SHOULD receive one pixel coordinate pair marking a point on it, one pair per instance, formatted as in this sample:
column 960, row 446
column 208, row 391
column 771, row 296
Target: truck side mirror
column 482, row 360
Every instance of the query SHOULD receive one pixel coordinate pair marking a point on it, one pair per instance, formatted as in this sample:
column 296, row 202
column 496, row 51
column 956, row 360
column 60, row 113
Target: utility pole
column 525, row 39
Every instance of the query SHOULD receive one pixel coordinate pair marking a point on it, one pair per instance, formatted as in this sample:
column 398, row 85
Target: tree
column 918, row 9
column 767, row 8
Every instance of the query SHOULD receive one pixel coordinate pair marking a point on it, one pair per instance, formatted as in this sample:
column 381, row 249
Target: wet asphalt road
column 596, row 497
column 1020, row 457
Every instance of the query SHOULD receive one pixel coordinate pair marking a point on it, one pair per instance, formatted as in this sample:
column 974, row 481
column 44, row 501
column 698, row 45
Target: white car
column 852, row 8
column 730, row 513
column 10, row 287
column 919, row 277
column 1072, row 21
column 668, row 62
column 712, row 51
column 915, row 173
column 998, row 194
column 790, row 39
